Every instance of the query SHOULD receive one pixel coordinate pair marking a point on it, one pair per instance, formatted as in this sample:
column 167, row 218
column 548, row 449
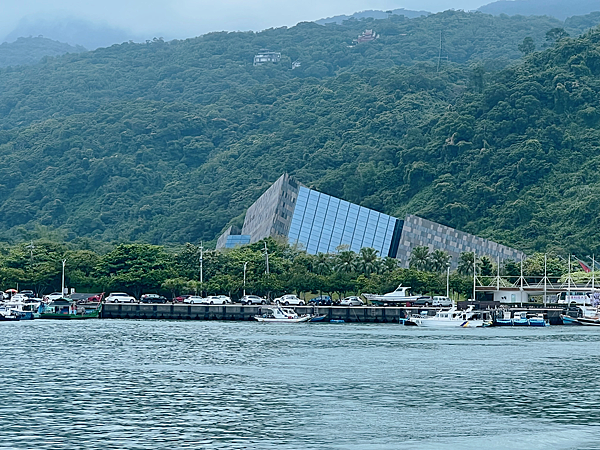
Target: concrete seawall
column 242, row 312
column 365, row 314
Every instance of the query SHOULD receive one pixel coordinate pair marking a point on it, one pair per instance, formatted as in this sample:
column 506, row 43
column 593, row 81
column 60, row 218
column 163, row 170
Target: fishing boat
column 448, row 318
column 398, row 296
column 283, row 315
column 65, row 309
column 585, row 315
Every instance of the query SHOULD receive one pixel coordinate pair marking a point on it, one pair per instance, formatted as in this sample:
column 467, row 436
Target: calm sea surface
column 126, row 384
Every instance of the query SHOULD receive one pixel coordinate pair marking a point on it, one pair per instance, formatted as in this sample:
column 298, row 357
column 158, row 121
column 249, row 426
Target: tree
column 367, row 261
column 465, row 263
column 345, row 262
column 486, row 268
column 527, row 46
column 440, row 260
column 556, row 34
column 420, row 259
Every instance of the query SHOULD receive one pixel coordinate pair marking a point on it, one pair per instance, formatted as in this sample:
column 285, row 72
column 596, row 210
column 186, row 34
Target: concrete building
column 265, row 56
column 321, row 223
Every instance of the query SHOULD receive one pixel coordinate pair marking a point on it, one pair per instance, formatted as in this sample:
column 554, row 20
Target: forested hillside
column 31, row 50
column 169, row 142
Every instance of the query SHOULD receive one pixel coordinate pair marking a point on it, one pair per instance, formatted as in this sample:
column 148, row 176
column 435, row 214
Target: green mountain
column 561, row 9
column 31, row 50
column 169, row 142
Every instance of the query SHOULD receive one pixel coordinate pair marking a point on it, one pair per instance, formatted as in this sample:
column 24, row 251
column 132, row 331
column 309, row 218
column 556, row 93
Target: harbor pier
column 237, row 312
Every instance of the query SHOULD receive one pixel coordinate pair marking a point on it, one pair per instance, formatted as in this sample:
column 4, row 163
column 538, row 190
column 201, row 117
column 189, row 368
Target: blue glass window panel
column 349, row 231
column 293, row 234
column 312, row 249
column 355, row 247
column 336, row 240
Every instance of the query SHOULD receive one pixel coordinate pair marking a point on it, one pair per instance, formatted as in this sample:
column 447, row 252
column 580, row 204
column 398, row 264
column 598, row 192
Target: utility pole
column 245, row 264
column 448, row 280
column 201, row 266
column 266, row 259
column 62, row 284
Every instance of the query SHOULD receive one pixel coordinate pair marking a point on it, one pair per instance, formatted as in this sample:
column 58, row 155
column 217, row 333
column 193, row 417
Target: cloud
column 187, row 18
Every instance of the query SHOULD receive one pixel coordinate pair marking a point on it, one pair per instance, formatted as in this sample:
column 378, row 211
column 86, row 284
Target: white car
column 439, row 300
column 194, row 299
column 289, row 299
column 351, row 301
column 120, row 297
column 215, row 300
column 53, row 296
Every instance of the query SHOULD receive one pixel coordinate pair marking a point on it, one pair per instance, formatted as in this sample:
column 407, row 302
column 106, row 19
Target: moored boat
column 283, row 315
column 449, row 318
column 398, row 296
column 585, row 315
column 65, row 309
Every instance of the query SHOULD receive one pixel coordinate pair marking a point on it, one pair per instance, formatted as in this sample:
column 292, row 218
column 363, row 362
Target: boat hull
column 282, row 320
column 435, row 323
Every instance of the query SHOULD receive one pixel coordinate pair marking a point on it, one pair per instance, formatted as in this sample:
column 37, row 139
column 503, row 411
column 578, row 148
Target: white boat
column 448, row 318
column 400, row 295
column 278, row 314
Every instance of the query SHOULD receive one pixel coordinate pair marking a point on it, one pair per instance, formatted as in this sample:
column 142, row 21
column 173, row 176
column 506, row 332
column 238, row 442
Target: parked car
column 253, row 300
column 215, row 300
column 289, row 299
column 422, row 301
column 193, row 299
column 120, row 297
column 352, row 301
column 181, row 298
column 439, row 300
column 153, row 298
column 52, row 297
column 95, row 298
column 321, row 300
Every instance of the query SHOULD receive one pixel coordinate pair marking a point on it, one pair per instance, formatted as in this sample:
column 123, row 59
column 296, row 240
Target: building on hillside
column 321, row 223
column 266, row 56
column 367, row 36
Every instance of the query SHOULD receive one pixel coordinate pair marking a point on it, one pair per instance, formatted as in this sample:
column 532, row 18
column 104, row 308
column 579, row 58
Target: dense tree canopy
column 170, row 142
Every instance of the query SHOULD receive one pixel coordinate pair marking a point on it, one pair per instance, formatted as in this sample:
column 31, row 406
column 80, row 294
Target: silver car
column 351, row 301
column 253, row 300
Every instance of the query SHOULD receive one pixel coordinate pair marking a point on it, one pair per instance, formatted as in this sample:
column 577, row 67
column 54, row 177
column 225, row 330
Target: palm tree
column 420, row 259
column 389, row 264
column 465, row 263
column 368, row 262
column 346, row 262
column 321, row 264
column 440, row 260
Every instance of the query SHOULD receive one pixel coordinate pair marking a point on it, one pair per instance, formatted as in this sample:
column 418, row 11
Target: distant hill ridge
column 373, row 14
column 561, row 9
column 31, row 50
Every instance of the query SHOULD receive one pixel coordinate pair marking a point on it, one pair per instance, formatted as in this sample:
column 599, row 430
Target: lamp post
column 245, row 264
column 62, row 284
column 201, row 266
column 448, row 280
column 266, row 259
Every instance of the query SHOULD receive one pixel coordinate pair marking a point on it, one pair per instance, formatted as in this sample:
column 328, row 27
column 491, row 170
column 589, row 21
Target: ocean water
column 126, row 384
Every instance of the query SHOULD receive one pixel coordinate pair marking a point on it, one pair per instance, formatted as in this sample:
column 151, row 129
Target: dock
column 237, row 312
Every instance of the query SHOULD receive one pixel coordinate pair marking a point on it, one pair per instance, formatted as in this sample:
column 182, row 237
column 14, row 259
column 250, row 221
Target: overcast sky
column 187, row 18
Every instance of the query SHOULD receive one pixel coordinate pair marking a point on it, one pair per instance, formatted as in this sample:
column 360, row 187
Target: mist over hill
column 170, row 142
column 74, row 31
column 561, row 9
column 31, row 50
column 373, row 14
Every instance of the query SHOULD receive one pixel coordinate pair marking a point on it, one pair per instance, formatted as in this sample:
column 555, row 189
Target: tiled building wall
column 272, row 213
column 418, row 232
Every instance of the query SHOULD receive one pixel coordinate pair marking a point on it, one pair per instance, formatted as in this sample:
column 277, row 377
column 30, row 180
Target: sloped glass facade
column 235, row 240
column 321, row 223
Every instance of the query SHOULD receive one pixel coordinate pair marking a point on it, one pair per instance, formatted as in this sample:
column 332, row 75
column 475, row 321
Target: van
column 439, row 300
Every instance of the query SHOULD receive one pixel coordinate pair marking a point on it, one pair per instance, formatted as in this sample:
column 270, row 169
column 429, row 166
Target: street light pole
column 62, row 285
column 266, row 259
column 201, row 266
column 245, row 264
column 448, row 280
